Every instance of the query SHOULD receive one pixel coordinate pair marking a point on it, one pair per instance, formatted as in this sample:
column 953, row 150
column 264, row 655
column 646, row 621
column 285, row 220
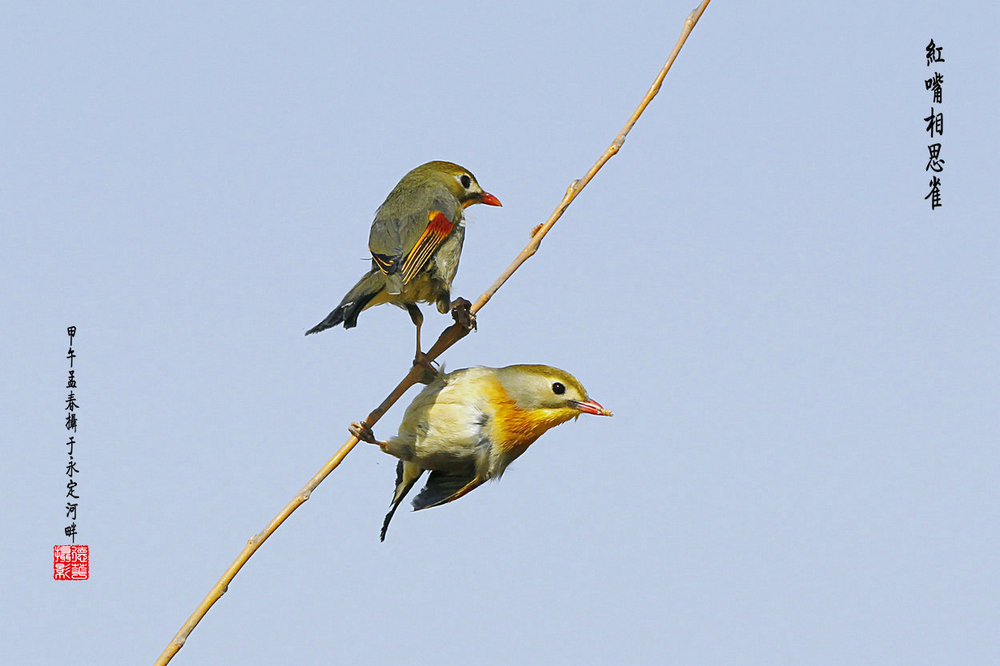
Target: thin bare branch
column 577, row 185
column 448, row 337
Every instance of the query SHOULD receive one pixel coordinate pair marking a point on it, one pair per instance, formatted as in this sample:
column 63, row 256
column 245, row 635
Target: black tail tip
column 335, row 318
column 385, row 526
column 388, row 519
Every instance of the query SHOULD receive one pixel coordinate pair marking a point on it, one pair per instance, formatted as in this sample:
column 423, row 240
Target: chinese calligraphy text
column 71, row 561
column 934, row 123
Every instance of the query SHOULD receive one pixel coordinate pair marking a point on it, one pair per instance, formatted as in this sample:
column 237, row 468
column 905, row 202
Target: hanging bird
column 415, row 242
column 467, row 426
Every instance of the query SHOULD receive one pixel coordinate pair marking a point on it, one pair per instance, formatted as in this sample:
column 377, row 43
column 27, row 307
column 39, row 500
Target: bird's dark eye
column 465, row 180
column 558, row 388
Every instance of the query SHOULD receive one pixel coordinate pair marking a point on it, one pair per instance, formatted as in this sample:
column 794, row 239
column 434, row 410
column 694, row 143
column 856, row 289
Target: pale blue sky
column 802, row 358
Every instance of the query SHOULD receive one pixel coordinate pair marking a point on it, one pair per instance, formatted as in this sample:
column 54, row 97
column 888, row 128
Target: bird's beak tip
column 591, row 407
column 490, row 200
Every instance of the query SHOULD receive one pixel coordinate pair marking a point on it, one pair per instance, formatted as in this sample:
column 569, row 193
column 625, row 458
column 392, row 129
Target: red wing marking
column 438, row 228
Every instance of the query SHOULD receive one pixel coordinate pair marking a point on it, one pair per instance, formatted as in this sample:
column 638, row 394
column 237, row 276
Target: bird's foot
column 431, row 370
column 461, row 311
column 365, row 434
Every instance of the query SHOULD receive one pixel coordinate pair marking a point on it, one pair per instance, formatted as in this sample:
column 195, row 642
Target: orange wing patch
column 438, row 228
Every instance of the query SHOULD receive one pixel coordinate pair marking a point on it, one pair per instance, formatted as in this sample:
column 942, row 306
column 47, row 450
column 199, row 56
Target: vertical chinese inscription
column 934, row 122
column 71, row 561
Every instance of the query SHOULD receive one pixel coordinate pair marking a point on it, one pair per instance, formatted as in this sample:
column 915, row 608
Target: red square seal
column 70, row 562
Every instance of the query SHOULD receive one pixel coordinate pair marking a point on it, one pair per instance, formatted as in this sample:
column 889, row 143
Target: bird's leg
column 431, row 373
column 417, row 318
column 365, row 434
column 461, row 312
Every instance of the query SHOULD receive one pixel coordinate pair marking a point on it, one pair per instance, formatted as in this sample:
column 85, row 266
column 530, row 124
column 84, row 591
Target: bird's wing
column 402, row 242
column 438, row 228
column 443, row 487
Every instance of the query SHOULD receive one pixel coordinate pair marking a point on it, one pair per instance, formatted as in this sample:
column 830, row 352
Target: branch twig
column 448, row 337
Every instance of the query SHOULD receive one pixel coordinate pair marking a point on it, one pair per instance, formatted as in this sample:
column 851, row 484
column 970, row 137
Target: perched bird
column 415, row 242
column 468, row 425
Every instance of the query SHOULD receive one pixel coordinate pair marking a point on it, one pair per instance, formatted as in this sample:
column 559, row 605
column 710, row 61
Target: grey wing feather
column 394, row 233
column 442, row 487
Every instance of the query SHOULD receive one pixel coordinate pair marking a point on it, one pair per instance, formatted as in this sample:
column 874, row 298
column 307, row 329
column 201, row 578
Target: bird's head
column 550, row 390
column 458, row 180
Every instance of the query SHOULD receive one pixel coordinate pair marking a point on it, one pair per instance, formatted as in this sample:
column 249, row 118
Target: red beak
column 489, row 200
column 590, row 407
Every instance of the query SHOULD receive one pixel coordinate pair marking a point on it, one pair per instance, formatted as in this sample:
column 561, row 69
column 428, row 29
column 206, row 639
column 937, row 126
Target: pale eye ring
column 558, row 388
column 465, row 180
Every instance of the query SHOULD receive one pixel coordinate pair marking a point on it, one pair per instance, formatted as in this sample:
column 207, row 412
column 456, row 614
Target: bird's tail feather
column 405, row 478
column 354, row 302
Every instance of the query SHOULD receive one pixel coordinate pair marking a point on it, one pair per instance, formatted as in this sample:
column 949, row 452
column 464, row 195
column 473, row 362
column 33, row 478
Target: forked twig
column 448, row 337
